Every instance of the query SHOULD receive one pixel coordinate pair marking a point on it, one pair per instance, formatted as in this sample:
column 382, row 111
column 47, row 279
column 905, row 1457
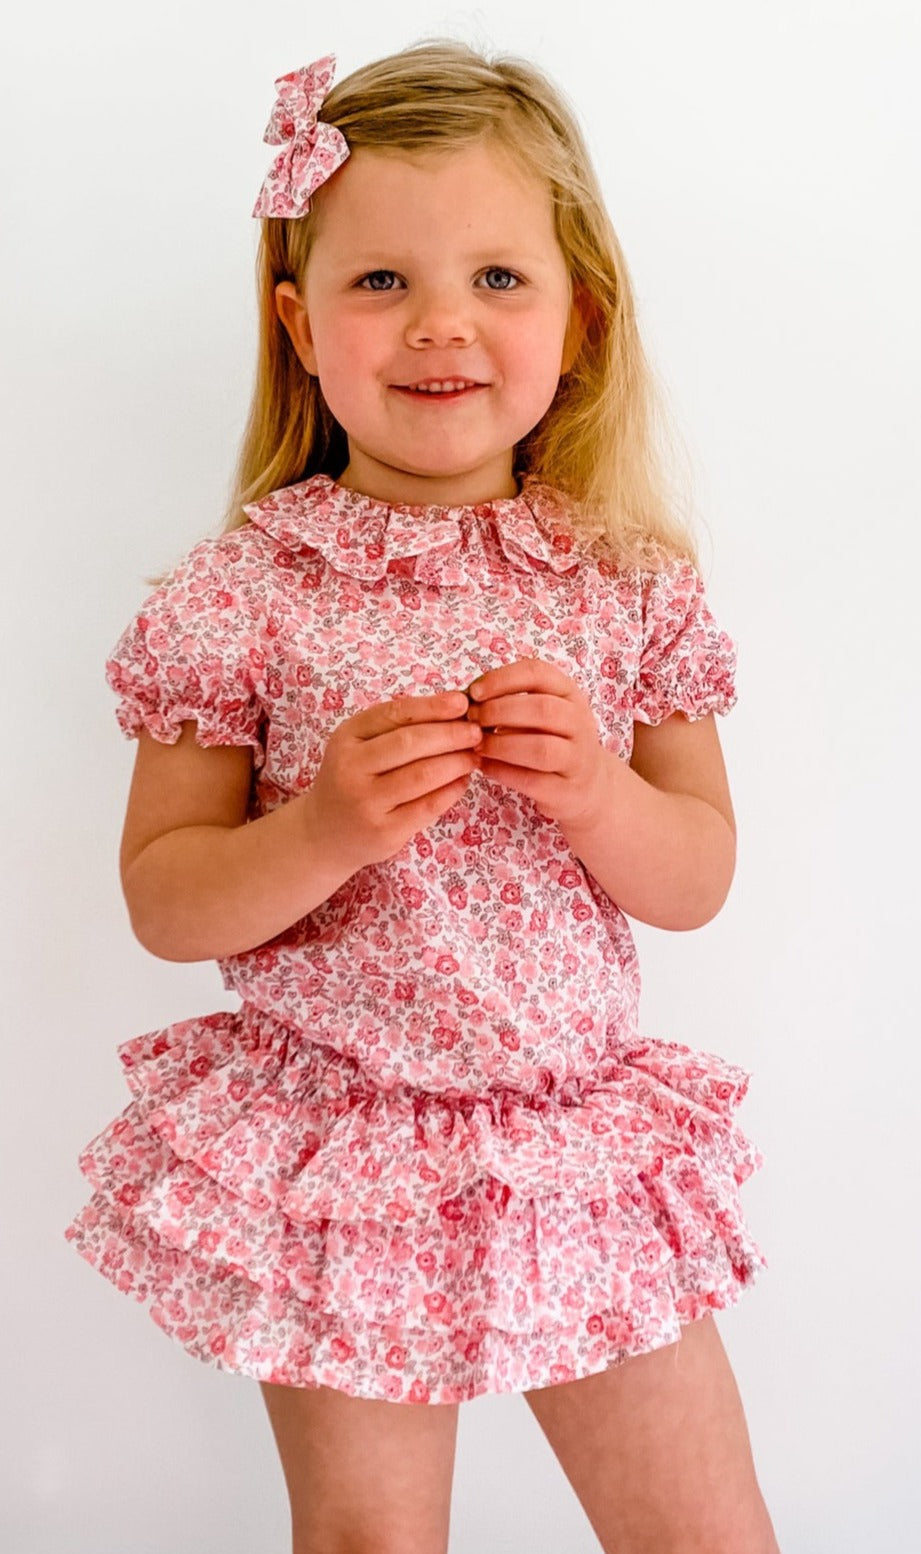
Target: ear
column 575, row 329
column 293, row 314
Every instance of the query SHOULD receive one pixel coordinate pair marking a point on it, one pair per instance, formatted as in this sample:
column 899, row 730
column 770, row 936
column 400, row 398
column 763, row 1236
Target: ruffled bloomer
column 287, row 1221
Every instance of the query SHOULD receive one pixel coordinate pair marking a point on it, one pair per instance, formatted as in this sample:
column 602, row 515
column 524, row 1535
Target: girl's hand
column 390, row 771
column 540, row 737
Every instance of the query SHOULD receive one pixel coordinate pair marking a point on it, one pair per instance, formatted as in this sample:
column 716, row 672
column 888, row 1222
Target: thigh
column 363, row 1473
column 657, row 1450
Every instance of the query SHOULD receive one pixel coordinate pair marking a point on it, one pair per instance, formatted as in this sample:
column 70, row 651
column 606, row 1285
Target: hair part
column 606, row 440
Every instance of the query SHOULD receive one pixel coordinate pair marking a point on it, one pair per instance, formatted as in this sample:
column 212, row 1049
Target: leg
column 362, row 1474
column 658, row 1452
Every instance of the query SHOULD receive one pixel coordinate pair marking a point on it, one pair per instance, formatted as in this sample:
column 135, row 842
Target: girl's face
column 435, row 267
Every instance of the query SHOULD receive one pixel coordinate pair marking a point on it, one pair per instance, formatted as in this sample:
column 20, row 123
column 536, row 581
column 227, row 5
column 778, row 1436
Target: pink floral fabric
column 431, row 1155
column 313, row 149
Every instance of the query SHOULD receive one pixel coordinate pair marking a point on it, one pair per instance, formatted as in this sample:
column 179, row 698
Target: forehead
column 477, row 193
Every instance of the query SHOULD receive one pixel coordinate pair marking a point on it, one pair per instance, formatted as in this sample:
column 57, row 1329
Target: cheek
column 533, row 364
column 346, row 355
column 535, row 369
column 534, row 349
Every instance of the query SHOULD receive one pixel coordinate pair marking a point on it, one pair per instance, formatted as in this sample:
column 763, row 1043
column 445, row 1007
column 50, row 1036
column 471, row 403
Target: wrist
column 611, row 780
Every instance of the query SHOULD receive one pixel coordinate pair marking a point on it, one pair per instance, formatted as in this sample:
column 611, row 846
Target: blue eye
column 371, row 276
column 499, row 270
column 493, row 270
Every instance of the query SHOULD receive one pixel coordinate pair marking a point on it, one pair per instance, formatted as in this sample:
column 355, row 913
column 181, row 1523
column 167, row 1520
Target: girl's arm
column 662, row 843
column 200, row 882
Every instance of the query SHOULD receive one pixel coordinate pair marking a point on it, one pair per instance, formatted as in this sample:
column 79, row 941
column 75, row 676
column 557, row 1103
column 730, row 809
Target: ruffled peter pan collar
column 361, row 535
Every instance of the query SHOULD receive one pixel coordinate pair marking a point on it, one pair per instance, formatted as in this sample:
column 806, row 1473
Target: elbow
column 713, row 904
column 152, row 925
column 149, row 939
column 689, row 922
column 153, row 934
column 708, row 904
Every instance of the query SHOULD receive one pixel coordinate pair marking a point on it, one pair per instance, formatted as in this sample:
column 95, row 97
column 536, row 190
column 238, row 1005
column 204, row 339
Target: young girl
column 416, row 730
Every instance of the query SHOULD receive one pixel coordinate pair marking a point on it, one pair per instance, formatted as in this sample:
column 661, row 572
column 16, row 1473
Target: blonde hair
column 604, row 438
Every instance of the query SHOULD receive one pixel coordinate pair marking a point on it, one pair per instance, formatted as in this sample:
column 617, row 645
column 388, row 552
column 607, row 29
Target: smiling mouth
column 438, row 393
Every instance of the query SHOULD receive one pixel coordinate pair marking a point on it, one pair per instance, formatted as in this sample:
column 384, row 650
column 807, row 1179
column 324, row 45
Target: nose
column 441, row 316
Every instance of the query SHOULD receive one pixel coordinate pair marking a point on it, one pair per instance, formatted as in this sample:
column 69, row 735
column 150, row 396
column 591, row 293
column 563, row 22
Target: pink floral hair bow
column 313, row 150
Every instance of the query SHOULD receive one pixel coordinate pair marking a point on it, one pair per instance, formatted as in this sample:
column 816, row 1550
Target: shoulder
column 217, row 572
column 666, row 591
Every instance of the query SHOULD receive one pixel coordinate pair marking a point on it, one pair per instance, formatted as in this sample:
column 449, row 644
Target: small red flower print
column 444, row 1038
column 482, row 965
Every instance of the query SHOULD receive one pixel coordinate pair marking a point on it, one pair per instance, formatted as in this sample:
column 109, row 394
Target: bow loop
column 300, row 98
column 312, row 150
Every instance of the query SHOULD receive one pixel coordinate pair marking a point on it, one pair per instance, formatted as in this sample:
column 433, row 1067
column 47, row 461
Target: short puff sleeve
column 687, row 662
column 188, row 653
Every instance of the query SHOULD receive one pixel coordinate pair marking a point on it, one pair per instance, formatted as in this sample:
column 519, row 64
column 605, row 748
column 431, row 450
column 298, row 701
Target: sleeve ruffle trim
column 231, row 723
column 691, row 686
column 184, row 657
column 688, row 663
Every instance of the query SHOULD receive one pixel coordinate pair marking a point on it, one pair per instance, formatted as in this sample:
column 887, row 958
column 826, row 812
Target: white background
column 758, row 164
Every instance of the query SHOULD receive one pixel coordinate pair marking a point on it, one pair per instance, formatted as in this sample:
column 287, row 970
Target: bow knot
column 312, row 150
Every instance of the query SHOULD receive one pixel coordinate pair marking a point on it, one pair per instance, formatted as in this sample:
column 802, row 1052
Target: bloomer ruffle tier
column 288, row 1221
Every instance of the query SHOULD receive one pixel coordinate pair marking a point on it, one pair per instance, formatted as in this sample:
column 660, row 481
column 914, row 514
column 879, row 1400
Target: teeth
column 445, row 387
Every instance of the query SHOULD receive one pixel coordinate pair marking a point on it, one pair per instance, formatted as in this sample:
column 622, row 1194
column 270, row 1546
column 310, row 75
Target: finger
column 411, row 709
column 534, row 752
column 555, row 714
column 527, row 674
